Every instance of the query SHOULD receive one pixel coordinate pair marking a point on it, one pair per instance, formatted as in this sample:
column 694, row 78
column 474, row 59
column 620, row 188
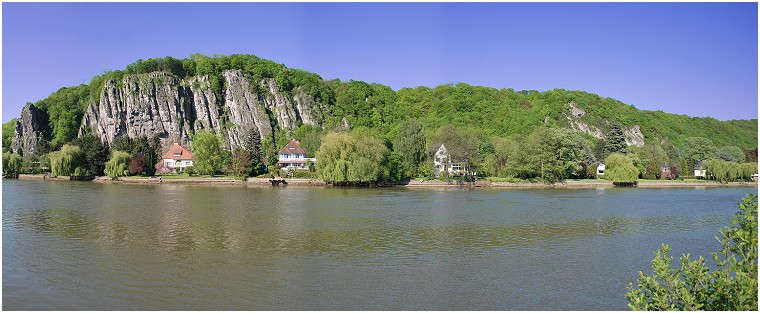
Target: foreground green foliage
column 731, row 286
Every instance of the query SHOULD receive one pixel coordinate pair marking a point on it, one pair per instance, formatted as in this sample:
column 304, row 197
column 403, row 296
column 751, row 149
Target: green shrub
column 731, row 286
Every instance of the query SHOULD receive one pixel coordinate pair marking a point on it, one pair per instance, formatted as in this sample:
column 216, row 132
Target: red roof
column 177, row 152
column 292, row 147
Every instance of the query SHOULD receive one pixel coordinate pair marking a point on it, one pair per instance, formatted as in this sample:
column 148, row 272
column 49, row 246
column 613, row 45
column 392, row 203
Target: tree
column 410, row 145
column 95, row 153
column 240, row 162
column 138, row 164
column 697, row 149
column 732, row 154
column 122, row 143
column 730, row 286
column 343, row 159
column 619, row 168
column 141, row 146
column 8, row 132
column 11, row 163
column 207, row 152
column 615, row 140
column 551, row 154
column 118, row 164
column 66, row 161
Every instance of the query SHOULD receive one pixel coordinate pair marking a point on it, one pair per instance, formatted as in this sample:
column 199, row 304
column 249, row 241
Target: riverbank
column 252, row 181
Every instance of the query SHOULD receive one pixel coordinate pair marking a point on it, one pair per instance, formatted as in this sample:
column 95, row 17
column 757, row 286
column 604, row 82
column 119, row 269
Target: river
column 89, row 246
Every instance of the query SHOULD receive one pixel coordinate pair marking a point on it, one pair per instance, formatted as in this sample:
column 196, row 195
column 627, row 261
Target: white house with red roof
column 292, row 156
column 178, row 157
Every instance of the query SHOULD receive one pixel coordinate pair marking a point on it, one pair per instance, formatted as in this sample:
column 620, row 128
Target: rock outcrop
column 28, row 129
column 633, row 135
column 161, row 104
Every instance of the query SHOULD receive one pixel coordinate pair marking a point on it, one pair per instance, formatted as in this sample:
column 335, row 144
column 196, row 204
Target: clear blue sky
column 698, row 59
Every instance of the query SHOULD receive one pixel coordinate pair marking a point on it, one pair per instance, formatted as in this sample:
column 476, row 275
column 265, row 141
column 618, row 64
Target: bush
column 731, row 286
column 189, row 170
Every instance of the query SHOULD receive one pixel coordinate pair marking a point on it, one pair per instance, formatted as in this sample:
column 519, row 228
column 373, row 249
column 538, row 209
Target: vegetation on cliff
column 496, row 132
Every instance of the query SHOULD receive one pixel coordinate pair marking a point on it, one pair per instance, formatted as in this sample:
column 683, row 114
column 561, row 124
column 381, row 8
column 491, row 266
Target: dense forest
column 497, row 132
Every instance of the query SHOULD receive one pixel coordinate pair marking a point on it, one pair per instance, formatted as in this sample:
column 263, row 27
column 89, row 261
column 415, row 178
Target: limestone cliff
column 174, row 109
column 633, row 135
column 27, row 130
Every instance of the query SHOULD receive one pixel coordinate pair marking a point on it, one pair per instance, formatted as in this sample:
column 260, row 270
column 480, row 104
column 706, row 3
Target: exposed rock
column 141, row 105
column 310, row 112
column 576, row 111
column 160, row 103
column 279, row 105
column 27, row 130
column 633, row 136
column 244, row 109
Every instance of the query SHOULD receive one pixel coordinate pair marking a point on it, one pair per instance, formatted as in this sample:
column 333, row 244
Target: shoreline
column 415, row 184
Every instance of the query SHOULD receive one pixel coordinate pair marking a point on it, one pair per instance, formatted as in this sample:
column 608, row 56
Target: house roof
column 292, row 147
column 176, row 149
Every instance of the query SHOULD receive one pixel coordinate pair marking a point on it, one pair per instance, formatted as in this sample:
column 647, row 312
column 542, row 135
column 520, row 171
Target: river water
column 88, row 246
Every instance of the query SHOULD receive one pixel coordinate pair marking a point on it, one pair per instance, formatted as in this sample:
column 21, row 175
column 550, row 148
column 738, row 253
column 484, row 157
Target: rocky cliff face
column 27, row 130
column 174, row 109
column 633, row 135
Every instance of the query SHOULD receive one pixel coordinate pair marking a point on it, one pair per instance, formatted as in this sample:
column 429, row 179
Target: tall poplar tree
column 410, row 143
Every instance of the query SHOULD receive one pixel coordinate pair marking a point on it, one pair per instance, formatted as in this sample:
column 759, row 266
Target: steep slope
column 242, row 95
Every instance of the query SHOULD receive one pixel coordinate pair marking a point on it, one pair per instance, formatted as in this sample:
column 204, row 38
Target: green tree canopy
column 619, row 168
column 615, row 140
column 551, row 154
column 208, row 155
column 344, row 159
column 696, row 149
column 66, row 161
column 11, row 163
column 411, row 146
column 118, row 165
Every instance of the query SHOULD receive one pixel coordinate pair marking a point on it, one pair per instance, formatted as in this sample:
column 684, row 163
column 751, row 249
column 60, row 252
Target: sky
column 698, row 59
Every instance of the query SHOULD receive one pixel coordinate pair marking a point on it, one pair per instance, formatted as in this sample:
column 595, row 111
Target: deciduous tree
column 207, row 153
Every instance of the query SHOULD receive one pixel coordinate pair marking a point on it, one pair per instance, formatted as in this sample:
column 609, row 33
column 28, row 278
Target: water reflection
column 193, row 247
column 182, row 229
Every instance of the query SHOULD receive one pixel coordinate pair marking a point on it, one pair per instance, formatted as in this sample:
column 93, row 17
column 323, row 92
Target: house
column 177, row 158
column 600, row 170
column 292, row 156
column 699, row 172
column 443, row 163
column 666, row 173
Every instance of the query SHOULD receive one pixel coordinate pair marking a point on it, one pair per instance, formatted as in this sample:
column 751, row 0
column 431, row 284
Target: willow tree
column 344, row 159
column 118, row 165
column 66, row 161
column 11, row 163
column 619, row 169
